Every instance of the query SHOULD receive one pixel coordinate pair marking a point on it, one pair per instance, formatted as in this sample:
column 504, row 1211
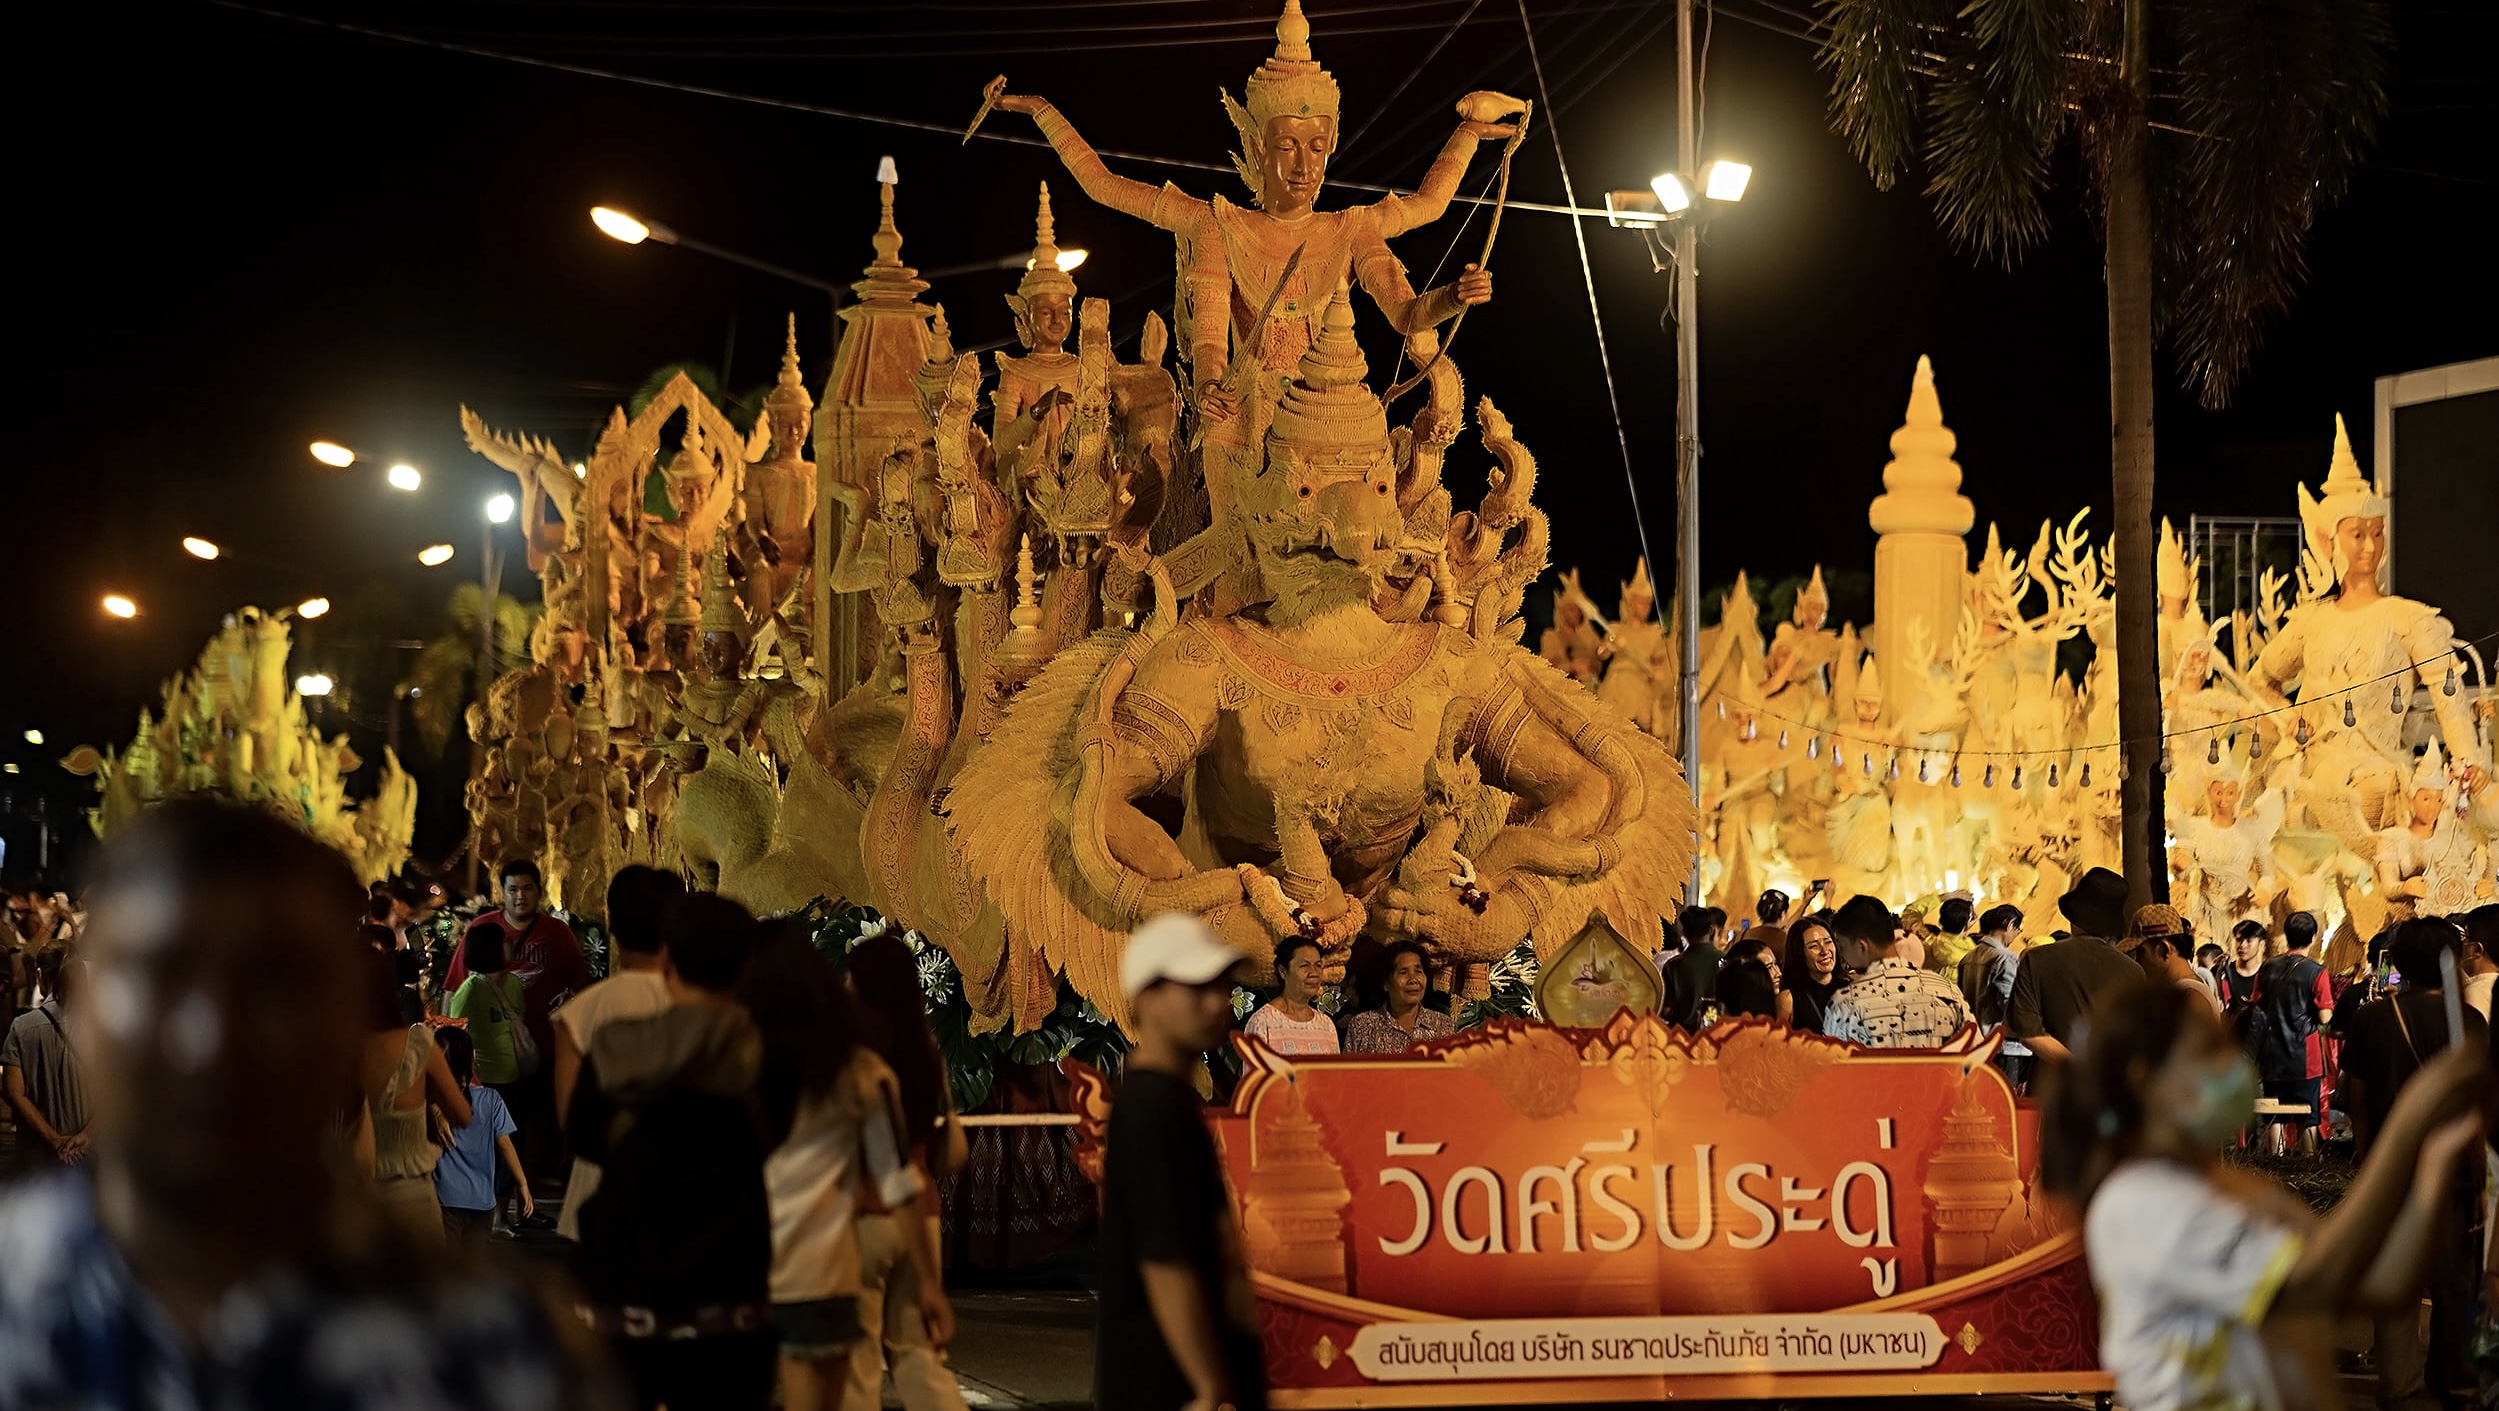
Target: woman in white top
column 832, row 1105
column 1290, row 1024
column 2219, row 1288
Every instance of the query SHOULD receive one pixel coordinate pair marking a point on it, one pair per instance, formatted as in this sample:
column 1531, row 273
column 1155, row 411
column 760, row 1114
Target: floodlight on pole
column 120, row 606
column 405, row 477
column 34, row 737
column 199, row 548
column 332, row 454
column 1725, row 181
column 313, row 684
column 435, row 556
column 1672, row 193
column 499, row 509
column 312, row 607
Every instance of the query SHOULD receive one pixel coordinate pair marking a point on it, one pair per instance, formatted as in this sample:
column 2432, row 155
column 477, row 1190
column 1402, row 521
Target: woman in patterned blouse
column 1401, row 1021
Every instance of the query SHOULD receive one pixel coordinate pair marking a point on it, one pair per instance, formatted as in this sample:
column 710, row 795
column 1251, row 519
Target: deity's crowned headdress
column 2346, row 494
column 1045, row 276
column 1572, row 592
column 1328, row 407
column 789, row 393
column 1639, row 584
column 2431, row 773
column 1869, row 683
column 721, row 611
column 2169, row 564
column 1814, row 600
column 1289, row 84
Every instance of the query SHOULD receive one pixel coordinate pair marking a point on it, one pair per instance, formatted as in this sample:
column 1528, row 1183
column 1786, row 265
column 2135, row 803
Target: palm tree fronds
column 1992, row 119
column 2287, row 95
column 1873, row 49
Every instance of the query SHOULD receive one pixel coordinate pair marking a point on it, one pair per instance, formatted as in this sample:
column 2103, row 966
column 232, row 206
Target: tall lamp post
column 1682, row 201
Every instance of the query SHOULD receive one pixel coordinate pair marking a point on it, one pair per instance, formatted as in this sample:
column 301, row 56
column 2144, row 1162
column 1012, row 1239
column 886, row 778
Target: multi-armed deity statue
column 2332, row 758
column 233, row 725
column 1020, row 680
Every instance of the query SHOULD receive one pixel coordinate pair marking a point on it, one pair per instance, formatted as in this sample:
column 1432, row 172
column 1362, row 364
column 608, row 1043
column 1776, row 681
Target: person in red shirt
column 546, row 955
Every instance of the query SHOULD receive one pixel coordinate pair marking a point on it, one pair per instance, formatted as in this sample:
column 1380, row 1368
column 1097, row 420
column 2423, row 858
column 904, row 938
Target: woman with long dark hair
column 2216, row 1287
column 886, row 977
column 834, row 1120
column 1812, row 973
column 1748, row 982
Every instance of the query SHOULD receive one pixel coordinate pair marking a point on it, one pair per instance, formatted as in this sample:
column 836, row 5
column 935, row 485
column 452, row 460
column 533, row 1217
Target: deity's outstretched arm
column 1131, row 198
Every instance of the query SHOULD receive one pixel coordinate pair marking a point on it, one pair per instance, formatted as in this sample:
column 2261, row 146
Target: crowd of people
column 266, row 1152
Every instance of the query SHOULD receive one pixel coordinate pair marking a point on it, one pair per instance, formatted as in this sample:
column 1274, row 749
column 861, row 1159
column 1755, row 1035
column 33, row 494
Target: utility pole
column 1688, row 433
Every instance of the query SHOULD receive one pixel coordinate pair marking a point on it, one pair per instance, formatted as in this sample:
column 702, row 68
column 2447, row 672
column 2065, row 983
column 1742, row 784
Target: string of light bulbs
column 1928, row 756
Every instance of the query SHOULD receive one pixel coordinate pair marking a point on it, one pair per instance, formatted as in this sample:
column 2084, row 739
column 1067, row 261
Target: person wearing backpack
column 675, row 1263
column 2283, row 1030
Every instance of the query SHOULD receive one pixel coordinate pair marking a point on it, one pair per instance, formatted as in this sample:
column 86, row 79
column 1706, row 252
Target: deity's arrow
column 1233, row 378
column 1500, row 201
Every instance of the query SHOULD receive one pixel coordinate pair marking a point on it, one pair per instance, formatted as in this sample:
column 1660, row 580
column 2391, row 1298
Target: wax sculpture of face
column 1293, row 160
column 1052, row 317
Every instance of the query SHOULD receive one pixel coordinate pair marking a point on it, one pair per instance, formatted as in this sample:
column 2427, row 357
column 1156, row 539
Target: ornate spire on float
column 1919, row 560
column 1328, row 405
column 871, row 400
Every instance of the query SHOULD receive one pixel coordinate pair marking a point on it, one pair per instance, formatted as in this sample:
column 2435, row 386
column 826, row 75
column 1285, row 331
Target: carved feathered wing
column 1643, row 891
column 1006, row 814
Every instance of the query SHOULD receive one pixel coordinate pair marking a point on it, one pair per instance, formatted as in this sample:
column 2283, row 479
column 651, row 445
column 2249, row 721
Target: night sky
column 239, row 232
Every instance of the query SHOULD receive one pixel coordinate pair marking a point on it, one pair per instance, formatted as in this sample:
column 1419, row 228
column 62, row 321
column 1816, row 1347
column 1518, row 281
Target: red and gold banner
column 1526, row 1213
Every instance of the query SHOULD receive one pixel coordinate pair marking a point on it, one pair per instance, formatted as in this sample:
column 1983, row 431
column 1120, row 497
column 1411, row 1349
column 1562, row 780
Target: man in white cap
column 1177, row 1326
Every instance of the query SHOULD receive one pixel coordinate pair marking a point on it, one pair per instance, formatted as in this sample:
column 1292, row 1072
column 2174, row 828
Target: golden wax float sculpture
column 1119, row 642
column 234, row 724
column 2332, row 755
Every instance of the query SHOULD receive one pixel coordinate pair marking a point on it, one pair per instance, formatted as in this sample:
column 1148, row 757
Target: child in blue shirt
column 464, row 1180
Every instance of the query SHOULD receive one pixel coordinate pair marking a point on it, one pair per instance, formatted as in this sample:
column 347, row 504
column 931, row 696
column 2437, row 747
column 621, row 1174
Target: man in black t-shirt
column 1177, row 1327
column 1692, row 976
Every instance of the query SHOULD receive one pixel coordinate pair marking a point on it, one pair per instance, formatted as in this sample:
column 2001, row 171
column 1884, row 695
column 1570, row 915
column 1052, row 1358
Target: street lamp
column 332, row 454
column 120, row 606
column 314, row 684
column 434, row 556
column 404, row 477
column 499, row 509
column 312, row 607
column 199, row 548
column 34, row 737
column 1670, row 201
column 633, row 230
